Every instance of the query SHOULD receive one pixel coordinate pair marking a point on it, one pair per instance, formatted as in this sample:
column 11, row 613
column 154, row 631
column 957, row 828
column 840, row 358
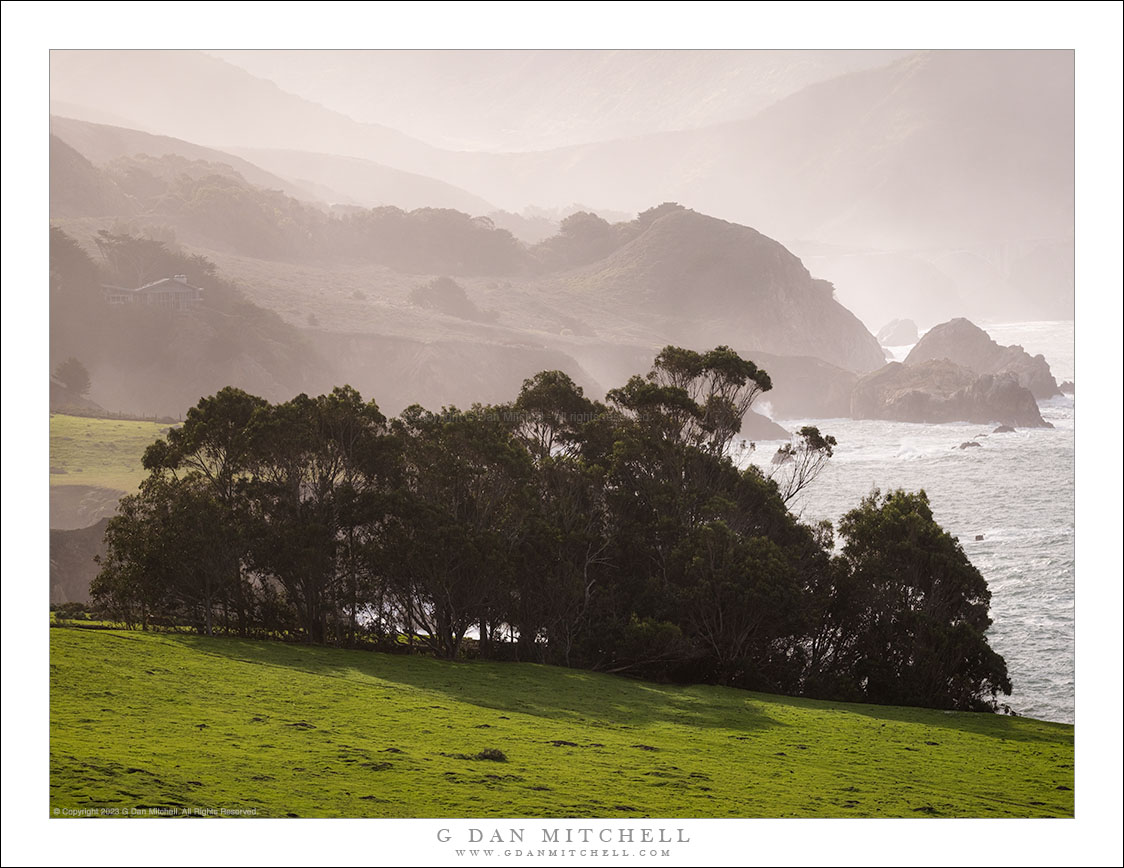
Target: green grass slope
column 195, row 725
column 104, row 453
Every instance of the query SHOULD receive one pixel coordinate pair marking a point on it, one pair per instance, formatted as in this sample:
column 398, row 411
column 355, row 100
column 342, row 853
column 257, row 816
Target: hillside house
column 169, row 293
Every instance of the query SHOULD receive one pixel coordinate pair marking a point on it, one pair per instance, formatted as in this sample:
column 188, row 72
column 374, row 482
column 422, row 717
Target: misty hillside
column 939, row 149
column 378, row 328
column 143, row 359
column 352, row 180
column 707, row 281
column 211, row 205
column 529, row 100
column 927, row 151
column 681, row 276
column 938, row 185
column 199, row 98
column 78, row 189
column 346, row 294
column 305, row 176
column 199, row 202
column 102, row 144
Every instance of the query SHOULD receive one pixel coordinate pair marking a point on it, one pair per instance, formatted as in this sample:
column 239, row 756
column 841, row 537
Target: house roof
column 177, row 282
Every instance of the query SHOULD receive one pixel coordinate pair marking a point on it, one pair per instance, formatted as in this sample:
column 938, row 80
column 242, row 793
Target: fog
column 940, row 159
column 821, row 194
column 538, row 100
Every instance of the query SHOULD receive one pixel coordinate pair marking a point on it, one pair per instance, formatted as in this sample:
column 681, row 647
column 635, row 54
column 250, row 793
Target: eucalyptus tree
column 212, row 452
column 359, row 465
column 462, row 519
column 567, row 522
column 720, row 383
column 550, row 414
column 313, row 502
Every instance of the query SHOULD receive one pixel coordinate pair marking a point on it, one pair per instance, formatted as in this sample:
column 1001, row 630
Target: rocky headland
column 966, row 344
column 936, row 391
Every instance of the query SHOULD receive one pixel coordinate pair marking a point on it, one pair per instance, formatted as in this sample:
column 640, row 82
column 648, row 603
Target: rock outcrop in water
column 941, row 391
column 804, row 387
column 898, row 333
column 758, row 427
column 965, row 343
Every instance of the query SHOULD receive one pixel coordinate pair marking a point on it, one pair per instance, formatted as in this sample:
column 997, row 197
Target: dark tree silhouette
column 553, row 529
column 916, row 609
column 73, row 374
column 797, row 466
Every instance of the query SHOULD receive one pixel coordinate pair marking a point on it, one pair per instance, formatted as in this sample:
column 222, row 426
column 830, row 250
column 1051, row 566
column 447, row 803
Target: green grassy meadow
column 171, row 721
column 104, row 453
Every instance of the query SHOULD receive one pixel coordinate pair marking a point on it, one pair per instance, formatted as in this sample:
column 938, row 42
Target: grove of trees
column 616, row 536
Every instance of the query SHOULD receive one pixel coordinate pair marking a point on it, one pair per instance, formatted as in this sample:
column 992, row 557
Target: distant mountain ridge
column 101, row 144
column 864, row 151
column 366, row 183
column 314, row 178
column 958, row 164
column 689, row 278
column 199, row 98
column 519, row 100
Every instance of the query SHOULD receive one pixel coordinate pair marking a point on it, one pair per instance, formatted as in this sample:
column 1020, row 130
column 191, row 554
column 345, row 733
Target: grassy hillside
column 105, row 453
column 161, row 721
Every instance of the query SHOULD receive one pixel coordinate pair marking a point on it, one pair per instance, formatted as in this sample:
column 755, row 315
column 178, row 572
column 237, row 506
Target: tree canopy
column 617, row 536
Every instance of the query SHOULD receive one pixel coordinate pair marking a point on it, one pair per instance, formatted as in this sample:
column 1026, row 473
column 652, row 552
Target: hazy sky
column 520, row 100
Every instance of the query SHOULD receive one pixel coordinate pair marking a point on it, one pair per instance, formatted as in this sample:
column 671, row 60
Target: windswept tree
column 668, row 478
column 213, row 441
column 720, row 383
column 796, row 465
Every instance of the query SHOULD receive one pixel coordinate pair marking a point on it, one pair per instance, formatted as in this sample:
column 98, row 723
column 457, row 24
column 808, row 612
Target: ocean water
column 1016, row 490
